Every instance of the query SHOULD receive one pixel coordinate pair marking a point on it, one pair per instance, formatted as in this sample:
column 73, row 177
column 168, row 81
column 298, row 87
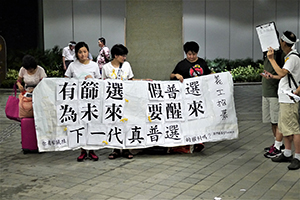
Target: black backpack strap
column 295, row 54
column 290, row 77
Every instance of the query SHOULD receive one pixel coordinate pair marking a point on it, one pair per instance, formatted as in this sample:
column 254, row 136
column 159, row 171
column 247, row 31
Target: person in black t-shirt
column 189, row 67
column 192, row 65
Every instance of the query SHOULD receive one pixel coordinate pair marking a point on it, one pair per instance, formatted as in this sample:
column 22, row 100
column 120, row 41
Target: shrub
column 222, row 65
column 242, row 70
column 247, row 74
column 12, row 74
column 50, row 60
column 219, row 65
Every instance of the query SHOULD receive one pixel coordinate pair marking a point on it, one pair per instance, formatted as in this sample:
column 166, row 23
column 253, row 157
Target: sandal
column 115, row 154
column 127, row 154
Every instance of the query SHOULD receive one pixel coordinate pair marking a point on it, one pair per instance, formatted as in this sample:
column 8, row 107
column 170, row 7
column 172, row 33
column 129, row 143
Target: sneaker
column 82, row 156
column 267, row 149
column 282, row 158
column 282, row 147
column 295, row 164
column 273, row 153
column 93, row 156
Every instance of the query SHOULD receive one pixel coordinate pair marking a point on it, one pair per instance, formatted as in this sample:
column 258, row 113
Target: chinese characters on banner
column 94, row 114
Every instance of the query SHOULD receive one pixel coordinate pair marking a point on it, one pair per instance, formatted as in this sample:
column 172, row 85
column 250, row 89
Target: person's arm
column 178, row 76
column 268, row 75
column 280, row 71
column 43, row 73
column 64, row 63
column 297, row 92
column 88, row 76
column 19, row 84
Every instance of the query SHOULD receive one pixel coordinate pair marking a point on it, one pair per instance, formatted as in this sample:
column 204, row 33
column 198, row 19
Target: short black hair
column 191, row 46
column 78, row 46
column 72, row 43
column 291, row 36
column 102, row 39
column 29, row 62
column 118, row 50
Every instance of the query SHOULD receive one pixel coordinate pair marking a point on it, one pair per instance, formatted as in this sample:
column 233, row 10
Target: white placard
column 267, row 36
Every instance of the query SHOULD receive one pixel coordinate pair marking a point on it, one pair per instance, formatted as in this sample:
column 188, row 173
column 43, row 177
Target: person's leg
column 274, row 150
column 287, row 137
column 274, row 129
column 274, row 111
column 289, row 126
column 278, row 138
column 288, row 140
column 296, row 140
column 287, row 153
column 270, row 110
column 295, row 164
column 266, row 118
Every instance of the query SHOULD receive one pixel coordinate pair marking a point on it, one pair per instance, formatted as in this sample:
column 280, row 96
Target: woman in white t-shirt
column 120, row 69
column 30, row 73
column 83, row 68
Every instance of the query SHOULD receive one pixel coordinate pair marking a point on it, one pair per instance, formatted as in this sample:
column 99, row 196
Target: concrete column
column 154, row 37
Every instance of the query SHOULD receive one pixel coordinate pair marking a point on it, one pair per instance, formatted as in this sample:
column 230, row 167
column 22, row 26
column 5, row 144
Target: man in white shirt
column 289, row 77
column 68, row 54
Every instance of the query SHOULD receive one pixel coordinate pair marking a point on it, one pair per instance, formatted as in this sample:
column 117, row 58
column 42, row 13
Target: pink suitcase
column 28, row 135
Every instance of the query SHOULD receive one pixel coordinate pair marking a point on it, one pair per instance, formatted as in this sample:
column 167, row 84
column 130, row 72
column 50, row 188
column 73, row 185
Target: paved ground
column 233, row 169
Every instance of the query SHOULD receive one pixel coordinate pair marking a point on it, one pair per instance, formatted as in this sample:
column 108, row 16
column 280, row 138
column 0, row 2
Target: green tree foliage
column 50, row 60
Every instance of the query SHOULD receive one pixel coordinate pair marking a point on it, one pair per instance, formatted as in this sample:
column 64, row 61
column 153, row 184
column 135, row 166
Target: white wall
column 223, row 28
column 87, row 20
column 226, row 28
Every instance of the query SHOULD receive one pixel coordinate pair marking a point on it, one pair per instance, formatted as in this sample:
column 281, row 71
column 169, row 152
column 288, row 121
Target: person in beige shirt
column 30, row 73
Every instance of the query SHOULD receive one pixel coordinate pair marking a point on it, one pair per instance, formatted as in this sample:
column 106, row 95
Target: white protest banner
column 94, row 114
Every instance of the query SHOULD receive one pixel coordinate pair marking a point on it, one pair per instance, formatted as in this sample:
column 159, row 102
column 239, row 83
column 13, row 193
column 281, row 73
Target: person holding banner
column 192, row 65
column 270, row 104
column 83, row 67
column 189, row 67
column 120, row 69
column 289, row 77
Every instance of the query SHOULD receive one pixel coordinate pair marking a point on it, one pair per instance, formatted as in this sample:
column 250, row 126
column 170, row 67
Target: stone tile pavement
column 234, row 169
